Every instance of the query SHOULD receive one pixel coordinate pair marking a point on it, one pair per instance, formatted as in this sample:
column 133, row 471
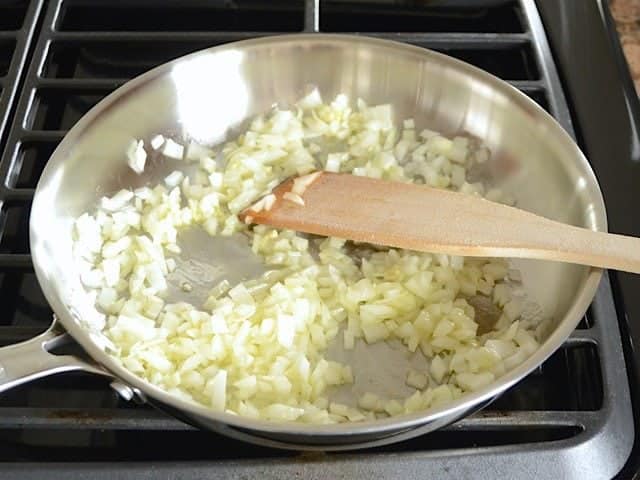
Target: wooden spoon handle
column 433, row 220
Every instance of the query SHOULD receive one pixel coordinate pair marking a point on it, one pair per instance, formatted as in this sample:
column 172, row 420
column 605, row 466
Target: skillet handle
column 31, row 359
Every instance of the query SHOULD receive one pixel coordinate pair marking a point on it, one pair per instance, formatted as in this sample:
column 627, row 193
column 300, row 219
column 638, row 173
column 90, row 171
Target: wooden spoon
column 421, row 218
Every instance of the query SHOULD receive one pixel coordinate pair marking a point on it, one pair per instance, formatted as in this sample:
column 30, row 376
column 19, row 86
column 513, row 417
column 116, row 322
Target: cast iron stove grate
column 17, row 25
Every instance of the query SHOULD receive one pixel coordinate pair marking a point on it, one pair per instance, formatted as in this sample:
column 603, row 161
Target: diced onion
column 173, row 179
column 258, row 348
column 172, row 149
column 417, row 379
column 156, row 142
column 294, row 198
column 136, row 156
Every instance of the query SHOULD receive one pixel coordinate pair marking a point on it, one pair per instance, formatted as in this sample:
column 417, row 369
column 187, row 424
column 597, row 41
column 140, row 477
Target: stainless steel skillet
column 207, row 96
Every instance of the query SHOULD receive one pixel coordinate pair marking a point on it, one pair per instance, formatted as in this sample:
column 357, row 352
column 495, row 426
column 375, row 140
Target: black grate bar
column 558, row 103
column 22, row 38
column 44, row 135
column 97, row 418
column 19, row 195
column 17, row 334
column 312, row 16
column 527, row 85
column 82, row 83
column 184, row 36
column 462, row 40
column 146, row 419
column 8, row 35
column 581, row 337
column 524, row 420
column 15, row 261
column 469, row 40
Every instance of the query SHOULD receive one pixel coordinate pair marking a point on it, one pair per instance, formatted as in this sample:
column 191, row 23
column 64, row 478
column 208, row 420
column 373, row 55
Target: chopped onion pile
column 258, row 348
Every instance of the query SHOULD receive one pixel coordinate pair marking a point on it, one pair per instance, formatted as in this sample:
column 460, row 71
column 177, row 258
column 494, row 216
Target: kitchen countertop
column 627, row 16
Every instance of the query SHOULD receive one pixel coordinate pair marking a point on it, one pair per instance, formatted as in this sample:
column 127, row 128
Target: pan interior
column 208, row 97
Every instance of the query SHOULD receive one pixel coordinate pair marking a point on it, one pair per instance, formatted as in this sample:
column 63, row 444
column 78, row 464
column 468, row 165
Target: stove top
column 572, row 418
